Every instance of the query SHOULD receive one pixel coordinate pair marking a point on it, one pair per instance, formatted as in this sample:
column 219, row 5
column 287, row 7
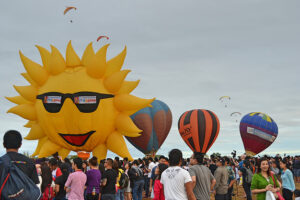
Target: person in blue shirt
column 288, row 184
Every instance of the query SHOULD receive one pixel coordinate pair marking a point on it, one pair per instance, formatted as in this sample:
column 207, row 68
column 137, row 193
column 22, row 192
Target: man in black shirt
column 109, row 180
column 12, row 141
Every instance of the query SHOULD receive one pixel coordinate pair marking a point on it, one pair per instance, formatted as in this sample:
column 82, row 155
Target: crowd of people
column 159, row 178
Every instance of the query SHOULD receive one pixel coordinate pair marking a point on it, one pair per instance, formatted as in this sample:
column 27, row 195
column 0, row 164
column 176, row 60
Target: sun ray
column 35, row 71
column 36, row 132
column 116, row 143
column 17, row 100
column 128, row 86
column 29, row 80
column 100, row 152
column 45, row 55
column 88, row 54
column 63, row 153
column 97, row 66
column 72, row 59
column 125, row 125
column 26, row 111
column 39, row 146
column 114, row 82
column 57, row 62
column 48, row 149
column 127, row 102
column 115, row 64
column 29, row 124
column 28, row 92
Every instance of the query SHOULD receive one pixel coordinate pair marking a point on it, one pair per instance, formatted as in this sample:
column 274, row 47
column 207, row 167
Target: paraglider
column 74, row 104
column 68, row 9
column 102, row 36
column 258, row 132
column 236, row 115
column 199, row 129
column 225, row 100
column 155, row 122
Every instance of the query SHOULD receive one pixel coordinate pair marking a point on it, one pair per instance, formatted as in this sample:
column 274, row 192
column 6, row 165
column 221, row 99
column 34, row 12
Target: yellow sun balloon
column 78, row 104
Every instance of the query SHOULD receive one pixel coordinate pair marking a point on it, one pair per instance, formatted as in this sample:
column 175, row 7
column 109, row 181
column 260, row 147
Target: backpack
column 124, row 180
column 249, row 175
column 15, row 184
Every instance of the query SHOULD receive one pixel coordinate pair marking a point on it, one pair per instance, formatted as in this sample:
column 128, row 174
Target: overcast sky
column 186, row 53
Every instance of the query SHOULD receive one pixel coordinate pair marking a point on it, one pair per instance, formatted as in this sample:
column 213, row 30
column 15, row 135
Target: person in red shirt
column 56, row 172
column 158, row 187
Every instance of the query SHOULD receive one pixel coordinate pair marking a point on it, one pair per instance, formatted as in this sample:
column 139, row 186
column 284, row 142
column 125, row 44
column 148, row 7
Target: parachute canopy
column 155, row 122
column 258, row 132
column 102, row 36
column 236, row 115
column 199, row 129
column 68, row 9
column 225, row 100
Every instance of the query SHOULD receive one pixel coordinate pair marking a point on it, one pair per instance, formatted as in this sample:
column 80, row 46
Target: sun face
column 78, row 104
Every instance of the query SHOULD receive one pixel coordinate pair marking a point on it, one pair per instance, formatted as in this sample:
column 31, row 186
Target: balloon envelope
column 258, row 132
column 199, row 129
column 155, row 122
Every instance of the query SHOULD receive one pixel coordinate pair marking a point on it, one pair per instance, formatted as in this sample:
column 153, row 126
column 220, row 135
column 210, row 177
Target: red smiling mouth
column 76, row 139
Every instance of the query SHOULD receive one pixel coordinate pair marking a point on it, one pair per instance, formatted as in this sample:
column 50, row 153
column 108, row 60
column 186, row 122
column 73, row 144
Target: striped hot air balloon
column 258, row 132
column 199, row 129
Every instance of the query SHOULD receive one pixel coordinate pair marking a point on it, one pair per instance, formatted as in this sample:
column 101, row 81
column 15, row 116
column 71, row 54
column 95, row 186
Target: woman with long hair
column 46, row 182
column 158, row 187
column 262, row 181
column 288, row 184
column 60, row 182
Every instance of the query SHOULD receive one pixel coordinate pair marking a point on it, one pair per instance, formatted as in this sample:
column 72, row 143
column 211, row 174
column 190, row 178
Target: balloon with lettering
column 258, row 132
column 199, row 129
column 78, row 104
column 155, row 122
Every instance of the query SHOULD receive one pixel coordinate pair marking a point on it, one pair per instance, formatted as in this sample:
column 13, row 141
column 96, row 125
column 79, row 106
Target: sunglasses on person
column 86, row 102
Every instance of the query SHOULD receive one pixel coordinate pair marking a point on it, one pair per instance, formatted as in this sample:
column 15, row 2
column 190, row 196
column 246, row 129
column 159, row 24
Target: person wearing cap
column 202, row 179
column 221, row 176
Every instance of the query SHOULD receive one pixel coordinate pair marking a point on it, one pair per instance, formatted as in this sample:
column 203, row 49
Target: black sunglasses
column 86, row 102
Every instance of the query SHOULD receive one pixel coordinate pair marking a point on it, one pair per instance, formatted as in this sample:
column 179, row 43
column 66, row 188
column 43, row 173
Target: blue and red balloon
column 155, row 122
column 258, row 132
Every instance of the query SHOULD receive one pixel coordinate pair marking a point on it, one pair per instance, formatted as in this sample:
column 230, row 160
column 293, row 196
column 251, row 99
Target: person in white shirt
column 176, row 181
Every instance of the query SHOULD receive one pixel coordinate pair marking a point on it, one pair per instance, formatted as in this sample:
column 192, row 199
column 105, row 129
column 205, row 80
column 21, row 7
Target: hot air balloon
column 236, row 115
column 155, row 122
column 199, row 129
column 83, row 155
column 102, row 36
column 258, row 132
column 225, row 100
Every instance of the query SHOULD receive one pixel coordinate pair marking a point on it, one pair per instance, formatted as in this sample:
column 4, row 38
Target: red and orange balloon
column 199, row 129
